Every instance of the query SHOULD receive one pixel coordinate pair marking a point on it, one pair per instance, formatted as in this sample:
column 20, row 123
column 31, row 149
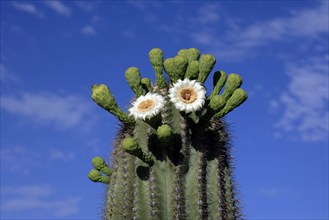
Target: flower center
column 146, row 105
column 188, row 95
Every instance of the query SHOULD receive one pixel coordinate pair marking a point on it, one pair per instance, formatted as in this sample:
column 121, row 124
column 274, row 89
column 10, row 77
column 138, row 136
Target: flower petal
column 193, row 100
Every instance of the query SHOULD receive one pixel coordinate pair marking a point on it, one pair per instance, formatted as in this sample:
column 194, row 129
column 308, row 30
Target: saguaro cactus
column 171, row 159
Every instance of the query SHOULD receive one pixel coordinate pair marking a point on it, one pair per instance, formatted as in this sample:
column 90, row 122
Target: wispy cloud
column 128, row 33
column 88, row 30
column 6, row 76
column 23, row 160
column 87, row 6
column 59, row 7
column 28, row 7
column 37, row 201
column 62, row 111
column 59, row 155
column 274, row 192
column 137, row 4
column 271, row 192
column 232, row 40
column 19, row 159
column 238, row 41
column 304, row 105
column 27, row 191
column 144, row 5
column 207, row 14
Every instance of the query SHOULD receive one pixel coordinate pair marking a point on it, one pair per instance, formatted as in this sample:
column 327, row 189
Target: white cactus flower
column 147, row 106
column 187, row 95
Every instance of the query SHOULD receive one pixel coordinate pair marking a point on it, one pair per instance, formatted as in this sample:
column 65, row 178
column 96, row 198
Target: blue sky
column 53, row 51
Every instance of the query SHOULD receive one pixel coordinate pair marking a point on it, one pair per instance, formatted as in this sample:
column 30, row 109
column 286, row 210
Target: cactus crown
column 171, row 157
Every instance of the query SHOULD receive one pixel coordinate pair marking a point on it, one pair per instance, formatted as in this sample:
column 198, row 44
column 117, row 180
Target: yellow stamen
column 146, row 105
column 187, row 95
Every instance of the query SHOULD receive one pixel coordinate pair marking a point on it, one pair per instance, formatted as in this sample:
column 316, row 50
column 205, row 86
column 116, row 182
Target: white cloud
column 62, row 111
column 28, row 7
column 305, row 103
column 59, row 7
column 36, row 199
column 88, row 30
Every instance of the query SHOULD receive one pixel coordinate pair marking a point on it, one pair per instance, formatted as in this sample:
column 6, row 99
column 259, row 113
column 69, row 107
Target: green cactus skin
column 176, row 165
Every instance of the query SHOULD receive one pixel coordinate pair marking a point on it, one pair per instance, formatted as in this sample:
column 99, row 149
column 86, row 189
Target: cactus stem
column 172, row 155
column 134, row 203
column 165, row 110
column 179, row 194
column 202, row 201
column 124, row 187
column 142, row 199
column 153, row 196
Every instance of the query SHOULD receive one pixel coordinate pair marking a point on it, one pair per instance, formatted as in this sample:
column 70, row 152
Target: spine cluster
column 172, row 155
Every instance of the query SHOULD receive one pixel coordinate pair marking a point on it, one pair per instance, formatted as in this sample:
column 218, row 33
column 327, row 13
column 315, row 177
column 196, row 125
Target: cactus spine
column 171, row 159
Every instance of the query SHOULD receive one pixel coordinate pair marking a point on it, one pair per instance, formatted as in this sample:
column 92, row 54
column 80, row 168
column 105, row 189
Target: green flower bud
column 98, row 163
column 103, row 97
column 183, row 53
column 237, row 98
column 146, row 84
column 131, row 147
column 156, row 58
column 207, row 62
column 233, row 82
column 192, row 71
column 170, row 69
column 180, row 63
column 133, row 78
column 129, row 144
column 164, row 132
column 216, row 103
column 94, row 175
column 219, row 80
column 217, row 75
column 193, row 54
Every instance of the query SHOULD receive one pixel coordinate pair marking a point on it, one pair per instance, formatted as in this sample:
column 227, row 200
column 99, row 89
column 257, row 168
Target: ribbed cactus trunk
column 172, row 154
